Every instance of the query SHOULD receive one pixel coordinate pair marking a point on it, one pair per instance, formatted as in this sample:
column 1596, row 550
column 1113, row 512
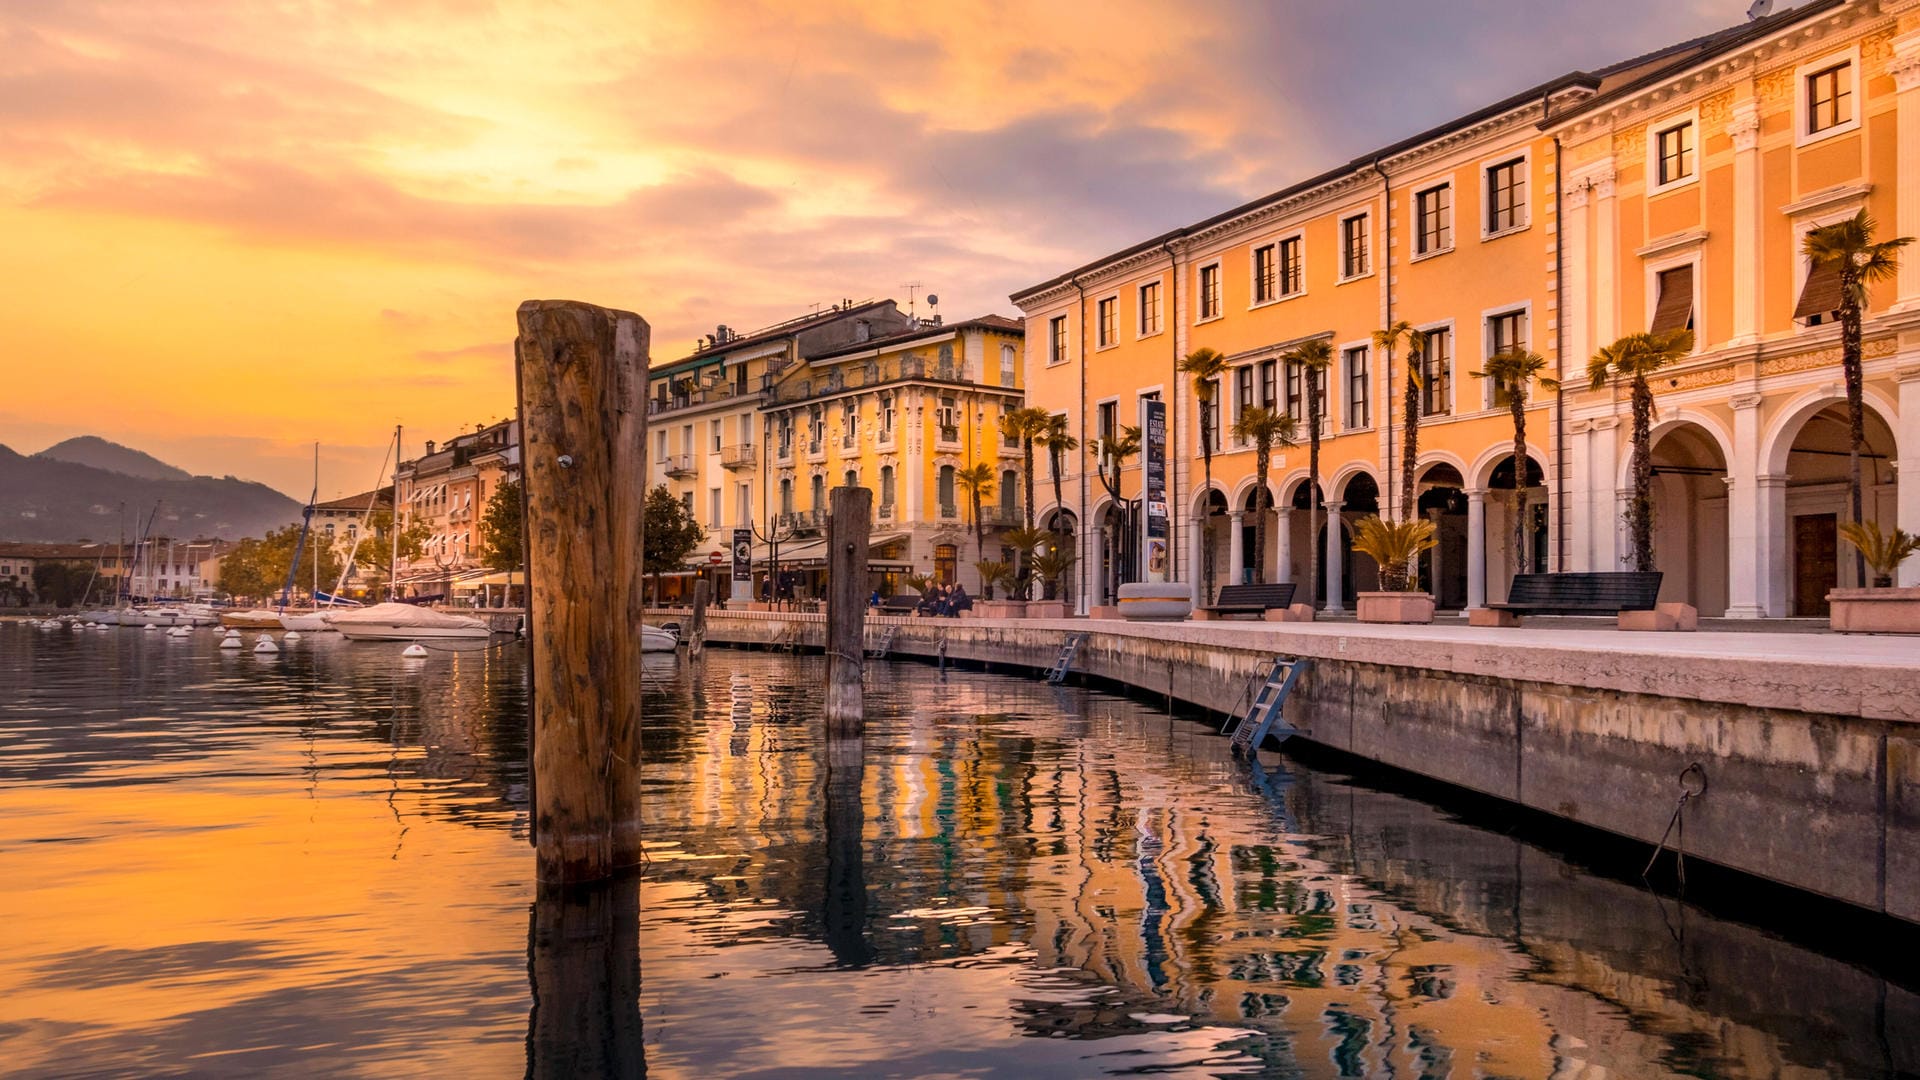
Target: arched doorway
column 1296, row 546
column 1066, row 530
column 1214, row 543
column 1255, row 562
column 1497, row 556
column 1817, row 502
column 1690, row 517
column 1360, row 498
column 1441, row 499
column 1116, row 551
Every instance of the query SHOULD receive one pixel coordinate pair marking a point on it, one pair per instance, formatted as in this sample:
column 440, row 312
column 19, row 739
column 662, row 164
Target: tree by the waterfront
column 1206, row 367
column 671, row 534
column 1515, row 373
column 502, row 529
column 977, row 481
column 1315, row 359
column 1388, row 340
column 62, row 584
column 1634, row 358
column 376, row 549
column 257, row 568
column 1265, row 429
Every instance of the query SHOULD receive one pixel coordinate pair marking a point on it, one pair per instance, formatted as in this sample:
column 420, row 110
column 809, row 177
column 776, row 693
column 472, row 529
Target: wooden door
column 1816, row 562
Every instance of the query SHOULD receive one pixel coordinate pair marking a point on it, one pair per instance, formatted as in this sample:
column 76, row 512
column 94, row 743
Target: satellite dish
column 933, row 300
column 1759, row 9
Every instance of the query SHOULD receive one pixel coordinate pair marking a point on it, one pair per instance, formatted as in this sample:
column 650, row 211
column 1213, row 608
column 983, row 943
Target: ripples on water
column 316, row 863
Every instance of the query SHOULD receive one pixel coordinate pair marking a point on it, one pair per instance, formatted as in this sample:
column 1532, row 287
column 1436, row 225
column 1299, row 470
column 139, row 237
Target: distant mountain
column 48, row 499
column 101, row 454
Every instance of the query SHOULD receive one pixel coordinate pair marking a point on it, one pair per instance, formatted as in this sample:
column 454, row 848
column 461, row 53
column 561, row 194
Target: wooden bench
column 904, row 604
column 1251, row 599
column 1601, row 593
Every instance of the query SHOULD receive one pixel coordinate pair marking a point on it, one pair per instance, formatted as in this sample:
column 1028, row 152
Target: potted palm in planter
column 995, row 575
column 1880, row 608
column 1052, row 566
column 1394, row 545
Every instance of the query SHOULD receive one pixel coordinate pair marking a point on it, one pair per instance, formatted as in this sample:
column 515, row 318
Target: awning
column 1820, row 296
column 1674, row 311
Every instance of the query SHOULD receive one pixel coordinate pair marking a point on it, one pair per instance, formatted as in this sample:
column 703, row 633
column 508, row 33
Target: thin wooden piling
column 850, row 520
column 582, row 375
column 697, row 623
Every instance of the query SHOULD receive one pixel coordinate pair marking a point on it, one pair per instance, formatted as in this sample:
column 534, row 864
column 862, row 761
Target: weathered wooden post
column 583, row 961
column 582, row 375
column 851, row 516
column 697, row 623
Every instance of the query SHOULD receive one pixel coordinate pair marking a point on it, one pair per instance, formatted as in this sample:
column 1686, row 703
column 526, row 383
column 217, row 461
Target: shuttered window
column 1820, row 296
column 1674, row 309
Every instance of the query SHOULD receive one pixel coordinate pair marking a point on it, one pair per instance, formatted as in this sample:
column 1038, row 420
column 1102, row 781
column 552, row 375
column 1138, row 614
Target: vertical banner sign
column 1153, row 493
column 742, row 555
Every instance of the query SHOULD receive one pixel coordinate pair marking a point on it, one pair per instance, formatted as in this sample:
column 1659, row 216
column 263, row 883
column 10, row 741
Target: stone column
column 1476, row 547
column 1744, row 128
column 1236, row 550
column 1907, row 475
column 1580, row 527
column 1606, row 246
column 1439, row 567
column 1197, row 555
column 1281, row 571
column 1335, row 557
column 1770, row 548
column 1746, row 571
column 1576, row 287
column 1605, row 507
column 1905, row 69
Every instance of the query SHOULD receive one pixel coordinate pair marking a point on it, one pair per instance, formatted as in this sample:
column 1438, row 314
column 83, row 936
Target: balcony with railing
column 949, row 512
column 884, row 512
column 739, row 457
column 679, row 466
column 950, row 434
column 803, row 521
column 870, row 375
column 995, row 516
column 710, row 394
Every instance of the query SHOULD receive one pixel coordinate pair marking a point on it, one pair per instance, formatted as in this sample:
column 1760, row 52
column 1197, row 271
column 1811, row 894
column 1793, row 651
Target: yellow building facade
column 1530, row 223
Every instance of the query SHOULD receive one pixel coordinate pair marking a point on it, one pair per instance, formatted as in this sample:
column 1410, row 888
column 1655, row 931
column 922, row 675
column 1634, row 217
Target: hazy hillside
column 101, row 454
column 42, row 498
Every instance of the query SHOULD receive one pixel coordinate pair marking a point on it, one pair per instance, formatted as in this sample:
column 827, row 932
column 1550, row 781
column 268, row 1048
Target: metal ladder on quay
column 1248, row 730
column 1063, row 664
column 886, row 643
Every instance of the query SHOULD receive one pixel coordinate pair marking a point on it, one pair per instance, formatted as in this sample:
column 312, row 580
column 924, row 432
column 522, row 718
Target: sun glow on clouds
column 246, row 225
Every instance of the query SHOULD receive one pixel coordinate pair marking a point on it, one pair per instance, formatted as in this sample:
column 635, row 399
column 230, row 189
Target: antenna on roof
column 911, row 287
column 1759, row 9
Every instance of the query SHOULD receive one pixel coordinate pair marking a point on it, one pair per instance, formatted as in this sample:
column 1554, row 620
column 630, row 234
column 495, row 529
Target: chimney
column 429, row 448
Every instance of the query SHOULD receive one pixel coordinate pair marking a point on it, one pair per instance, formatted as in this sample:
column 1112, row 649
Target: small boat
column 404, row 622
column 654, row 639
column 256, row 619
column 306, row 621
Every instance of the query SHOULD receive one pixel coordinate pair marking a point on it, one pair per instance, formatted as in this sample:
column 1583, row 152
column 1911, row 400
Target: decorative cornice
column 1743, row 402
column 1827, row 198
column 1827, row 357
column 1673, row 242
column 1694, row 380
column 1910, row 373
column 1744, row 127
column 1268, row 352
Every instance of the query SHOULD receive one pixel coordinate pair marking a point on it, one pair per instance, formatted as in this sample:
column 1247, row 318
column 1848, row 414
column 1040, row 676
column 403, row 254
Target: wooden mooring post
column 582, row 384
column 849, row 521
column 697, row 622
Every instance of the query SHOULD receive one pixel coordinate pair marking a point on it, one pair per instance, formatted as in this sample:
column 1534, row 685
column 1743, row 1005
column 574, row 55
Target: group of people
column 947, row 600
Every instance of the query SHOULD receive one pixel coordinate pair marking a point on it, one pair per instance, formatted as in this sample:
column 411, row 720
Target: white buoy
column 265, row 645
column 291, row 635
column 415, row 651
column 232, row 632
column 151, row 626
column 232, row 643
column 178, row 631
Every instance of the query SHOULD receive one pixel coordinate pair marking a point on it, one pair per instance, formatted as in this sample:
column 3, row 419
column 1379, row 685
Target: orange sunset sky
column 229, row 229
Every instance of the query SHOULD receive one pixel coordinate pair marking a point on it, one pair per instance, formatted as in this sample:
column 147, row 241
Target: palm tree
column 1314, row 358
column 1634, row 358
column 1059, row 441
column 1025, row 541
column 1514, row 373
column 977, row 480
column 1265, row 429
column 1394, row 545
column 1206, row 366
column 1026, row 424
column 1053, row 565
column 1849, row 246
column 1387, row 340
column 1112, row 454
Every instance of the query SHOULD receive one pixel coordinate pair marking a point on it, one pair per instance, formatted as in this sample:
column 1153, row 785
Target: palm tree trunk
column 1026, row 556
column 1313, row 490
column 1517, row 403
column 1262, row 501
column 1410, row 443
column 979, row 533
column 1856, row 405
column 1641, row 517
column 1206, row 516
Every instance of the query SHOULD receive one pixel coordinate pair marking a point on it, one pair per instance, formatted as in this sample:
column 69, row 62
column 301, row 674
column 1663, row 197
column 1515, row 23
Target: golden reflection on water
column 317, row 864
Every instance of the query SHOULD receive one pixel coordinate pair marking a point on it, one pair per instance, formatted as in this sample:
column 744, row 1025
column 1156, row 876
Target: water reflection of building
column 1376, row 936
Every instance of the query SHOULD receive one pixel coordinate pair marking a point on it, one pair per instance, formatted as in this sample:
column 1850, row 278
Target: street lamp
column 778, row 532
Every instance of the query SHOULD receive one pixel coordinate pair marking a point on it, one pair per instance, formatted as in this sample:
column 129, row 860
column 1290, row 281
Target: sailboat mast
column 393, row 541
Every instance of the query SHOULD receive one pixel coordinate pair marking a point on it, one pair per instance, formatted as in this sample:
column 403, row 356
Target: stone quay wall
column 1813, row 769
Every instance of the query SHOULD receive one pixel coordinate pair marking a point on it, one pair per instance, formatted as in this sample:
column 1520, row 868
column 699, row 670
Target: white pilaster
column 1905, row 69
column 1476, row 547
column 1579, row 454
column 1576, row 285
column 1606, row 259
column 1746, row 570
column 1770, row 548
column 1335, row 557
column 1236, row 549
column 1744, row 128
column 1282, row 569
column 1907, row 472
column 1604, row 461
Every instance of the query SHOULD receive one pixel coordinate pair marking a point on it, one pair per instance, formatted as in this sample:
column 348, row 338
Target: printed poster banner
column 742, row 555
column 1153, row 495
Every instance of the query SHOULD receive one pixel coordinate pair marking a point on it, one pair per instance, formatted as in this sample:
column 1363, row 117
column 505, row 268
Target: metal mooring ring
column 1700, row 775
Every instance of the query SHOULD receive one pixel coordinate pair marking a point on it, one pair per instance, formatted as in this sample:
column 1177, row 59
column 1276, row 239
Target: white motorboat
column 654, row 639
column 405, row 622
column 256, row 619
column 307, row 621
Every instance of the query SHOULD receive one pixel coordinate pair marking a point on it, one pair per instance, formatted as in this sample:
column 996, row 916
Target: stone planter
column 1875, row 611
column 1395, row 607
column 1046, row 609
column 1000, row 609
column 1156, row 601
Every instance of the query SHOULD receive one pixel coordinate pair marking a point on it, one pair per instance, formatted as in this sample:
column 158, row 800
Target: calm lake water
column 317, row 864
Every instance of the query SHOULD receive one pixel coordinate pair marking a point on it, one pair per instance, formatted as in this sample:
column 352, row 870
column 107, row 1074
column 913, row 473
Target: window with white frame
column 1242, row 391
column 1296, row 392
column 713, row 435
column 1269, row 395
column 1506, row 195
column 1359, row 403
column 1108, row 421
column 1291, row 281
column 713, row 508
column 1673, row 153
column 1506, row 332
column 1673, row 300
column 1829, row 95
column 1266, row 276
column 1007, row 362
column 885, row 417
column 1149, row 308
column 1433, row 224
column 1057, row 340
column 1107, row 321
column 1210, row 415
column 1210, row 291
column 1353, row 246
column 1436, row 373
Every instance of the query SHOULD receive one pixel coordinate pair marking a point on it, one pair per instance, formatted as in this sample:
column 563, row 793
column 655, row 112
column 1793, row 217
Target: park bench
column 904, row 604
column 1599, row 593
column 1251, row 599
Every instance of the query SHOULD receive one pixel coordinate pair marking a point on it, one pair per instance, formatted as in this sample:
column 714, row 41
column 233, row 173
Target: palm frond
column 1883, row 552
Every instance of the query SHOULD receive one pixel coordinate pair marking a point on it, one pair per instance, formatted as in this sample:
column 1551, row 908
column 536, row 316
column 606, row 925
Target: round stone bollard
column 1156, row 601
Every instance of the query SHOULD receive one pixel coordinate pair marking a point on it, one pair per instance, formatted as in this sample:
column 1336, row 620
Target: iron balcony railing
column 739, row 457
column 679, row 465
